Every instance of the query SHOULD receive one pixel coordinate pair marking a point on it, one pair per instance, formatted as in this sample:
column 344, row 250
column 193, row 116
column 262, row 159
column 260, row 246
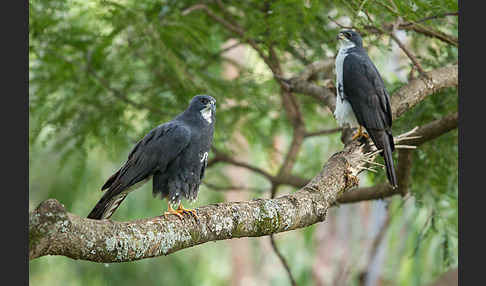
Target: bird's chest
column 339, row 71
column 343, row 113
column 197, row 152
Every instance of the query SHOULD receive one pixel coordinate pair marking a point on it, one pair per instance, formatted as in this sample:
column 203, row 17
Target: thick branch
column 53, row 231
column 320, row 93
column 434, row 129
column 376, row 192
column 326, row 66
column 416, row 90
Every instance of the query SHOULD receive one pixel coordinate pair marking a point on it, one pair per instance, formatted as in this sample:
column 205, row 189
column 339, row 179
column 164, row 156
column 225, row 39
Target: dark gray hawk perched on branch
column 174, row 154
column 362, row 99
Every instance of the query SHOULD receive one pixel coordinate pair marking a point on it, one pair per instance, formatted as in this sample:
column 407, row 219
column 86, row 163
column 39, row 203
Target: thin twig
column 221, row 157
column 405, row 147
column 323, row 132
column 375, row 244
column 292, row 111
column 118, row 94
column 369, row 169
column 273, row 193
column 282, row 259
column 409, row 54
column 219, row 54
column 218, row 188
column 430, row 18
column 374, row 163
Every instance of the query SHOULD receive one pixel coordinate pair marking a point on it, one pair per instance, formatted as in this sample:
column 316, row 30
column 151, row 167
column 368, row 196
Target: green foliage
column 103, row 73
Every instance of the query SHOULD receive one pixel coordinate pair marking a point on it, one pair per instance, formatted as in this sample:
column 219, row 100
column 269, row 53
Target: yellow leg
column 360, row 133
column 170, row 210
column 181, row 209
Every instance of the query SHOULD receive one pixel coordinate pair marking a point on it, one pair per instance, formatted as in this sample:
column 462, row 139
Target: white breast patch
column 344, row 113
column 204, row 156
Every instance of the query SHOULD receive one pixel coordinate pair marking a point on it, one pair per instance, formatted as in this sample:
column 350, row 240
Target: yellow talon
column 181, row 209
column 360, row 133
column 170, row 210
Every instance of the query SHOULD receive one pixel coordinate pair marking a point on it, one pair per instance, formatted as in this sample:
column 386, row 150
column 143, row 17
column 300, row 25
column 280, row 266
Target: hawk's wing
column 154, row 152
column 365, row 91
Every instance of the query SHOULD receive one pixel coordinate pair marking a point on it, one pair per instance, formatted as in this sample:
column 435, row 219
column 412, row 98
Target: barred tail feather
column 390, row 168
column 107, row 205
column 110, row 180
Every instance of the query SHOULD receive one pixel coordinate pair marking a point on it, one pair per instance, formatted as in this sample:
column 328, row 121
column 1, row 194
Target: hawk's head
column 204, row 104
column 350, row 38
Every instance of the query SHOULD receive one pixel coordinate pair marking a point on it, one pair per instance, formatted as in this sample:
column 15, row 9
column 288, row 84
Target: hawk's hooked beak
column 340, row 36
column 212, row 105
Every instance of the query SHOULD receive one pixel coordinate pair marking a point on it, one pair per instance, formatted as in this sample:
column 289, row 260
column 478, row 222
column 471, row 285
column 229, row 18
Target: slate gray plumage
column 362, row 98
column 174, row 154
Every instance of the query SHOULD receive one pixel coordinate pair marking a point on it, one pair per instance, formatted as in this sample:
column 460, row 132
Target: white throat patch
column 207, row 114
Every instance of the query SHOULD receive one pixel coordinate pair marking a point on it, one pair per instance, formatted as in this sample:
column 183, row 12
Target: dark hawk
column 174, row 155
column 362, row 99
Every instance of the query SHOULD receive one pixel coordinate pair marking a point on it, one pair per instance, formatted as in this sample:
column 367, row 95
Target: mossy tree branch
column 54, row 231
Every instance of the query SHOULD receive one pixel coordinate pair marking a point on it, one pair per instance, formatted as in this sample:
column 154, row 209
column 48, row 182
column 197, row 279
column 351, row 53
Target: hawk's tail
column 106, row 206
column 390, row 168
column 384, row 140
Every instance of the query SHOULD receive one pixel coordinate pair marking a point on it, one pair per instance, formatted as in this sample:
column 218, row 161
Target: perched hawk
column 362, row 99
column 173, row 154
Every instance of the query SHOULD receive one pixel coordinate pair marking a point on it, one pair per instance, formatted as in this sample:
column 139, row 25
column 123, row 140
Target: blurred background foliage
column 103, row 73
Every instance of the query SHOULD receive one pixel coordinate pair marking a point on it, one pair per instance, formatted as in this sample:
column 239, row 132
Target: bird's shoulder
column 175, row 132
column 359, row 63
column 357, row 57
column 174, row 127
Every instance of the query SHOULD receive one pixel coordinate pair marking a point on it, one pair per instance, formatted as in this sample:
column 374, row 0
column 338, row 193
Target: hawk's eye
column 204, row 100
